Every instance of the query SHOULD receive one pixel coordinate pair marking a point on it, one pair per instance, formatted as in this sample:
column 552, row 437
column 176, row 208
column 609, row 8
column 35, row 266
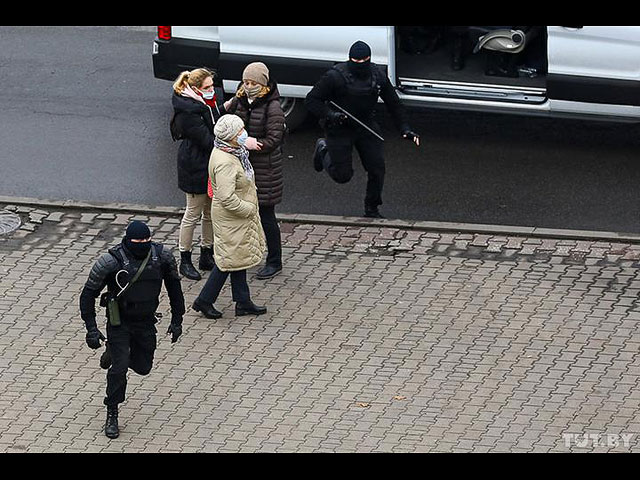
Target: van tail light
column 164, row 33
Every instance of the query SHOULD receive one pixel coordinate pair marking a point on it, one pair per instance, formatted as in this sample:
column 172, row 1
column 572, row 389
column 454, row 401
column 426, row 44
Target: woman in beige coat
column 239, row 241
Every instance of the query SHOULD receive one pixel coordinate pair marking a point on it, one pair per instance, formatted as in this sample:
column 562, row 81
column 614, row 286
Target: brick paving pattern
column 376, row 340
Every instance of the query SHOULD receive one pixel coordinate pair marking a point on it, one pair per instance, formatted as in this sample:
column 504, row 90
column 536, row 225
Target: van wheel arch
column 294, row 111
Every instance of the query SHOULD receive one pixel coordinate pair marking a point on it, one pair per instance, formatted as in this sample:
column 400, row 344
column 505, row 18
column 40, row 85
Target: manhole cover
column 9, row 222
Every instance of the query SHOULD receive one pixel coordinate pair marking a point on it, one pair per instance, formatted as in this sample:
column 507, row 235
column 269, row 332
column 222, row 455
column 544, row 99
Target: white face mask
column 242, row 138
column 208, row 95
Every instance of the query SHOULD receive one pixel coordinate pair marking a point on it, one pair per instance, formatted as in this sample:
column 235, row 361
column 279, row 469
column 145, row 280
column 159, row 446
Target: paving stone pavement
column 377, row 340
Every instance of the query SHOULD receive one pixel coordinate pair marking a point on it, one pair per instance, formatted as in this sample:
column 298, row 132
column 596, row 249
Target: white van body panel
column 600, row 55
column 208, row 34
column 311, row 42
column 595, row 51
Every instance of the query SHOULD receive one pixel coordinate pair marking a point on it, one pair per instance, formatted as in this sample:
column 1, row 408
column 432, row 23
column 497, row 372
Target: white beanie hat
column 228, row 127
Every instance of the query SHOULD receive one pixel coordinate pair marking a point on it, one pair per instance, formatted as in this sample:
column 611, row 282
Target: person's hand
column 94, row 337
column 410, row 135
column 175, row 330
column 253, row 144
column 337, row 118
column 227, row 104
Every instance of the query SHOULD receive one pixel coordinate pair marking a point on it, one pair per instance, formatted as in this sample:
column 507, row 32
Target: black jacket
column 334, row 85
column 193, row 123
column 265, row 121
column 142, row 299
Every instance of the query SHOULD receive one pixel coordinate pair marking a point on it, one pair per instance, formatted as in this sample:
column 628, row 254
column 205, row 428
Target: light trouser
column 198, row 209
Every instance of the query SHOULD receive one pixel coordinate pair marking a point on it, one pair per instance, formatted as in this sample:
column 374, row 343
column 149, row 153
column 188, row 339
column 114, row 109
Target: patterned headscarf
column 240, row 152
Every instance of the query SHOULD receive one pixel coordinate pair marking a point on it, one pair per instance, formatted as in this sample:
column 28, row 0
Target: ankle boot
column 111, row 429
column 206, row 259
column 207, row 309
column 186, row 267
column 249, row 308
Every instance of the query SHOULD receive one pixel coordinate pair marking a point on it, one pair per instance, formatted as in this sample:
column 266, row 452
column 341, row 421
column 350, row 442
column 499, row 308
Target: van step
column 474, row 91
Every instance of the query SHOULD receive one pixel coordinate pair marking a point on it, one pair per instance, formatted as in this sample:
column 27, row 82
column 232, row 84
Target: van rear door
column 594, row 66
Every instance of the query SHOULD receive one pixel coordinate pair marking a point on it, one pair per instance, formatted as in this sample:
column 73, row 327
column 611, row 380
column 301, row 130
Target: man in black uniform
column 355, row 86
column 133, row 273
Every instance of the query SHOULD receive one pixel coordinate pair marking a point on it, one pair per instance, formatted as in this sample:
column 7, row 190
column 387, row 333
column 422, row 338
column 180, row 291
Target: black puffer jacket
column 265, row 121
column 193, row 123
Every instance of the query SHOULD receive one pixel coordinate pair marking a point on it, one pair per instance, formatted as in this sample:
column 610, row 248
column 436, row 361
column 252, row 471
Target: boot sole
column 321, row 146
column 199, row 310
column 250, row 314
column 267, row 277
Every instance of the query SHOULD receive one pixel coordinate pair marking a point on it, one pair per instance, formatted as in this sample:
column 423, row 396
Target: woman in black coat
column 197, row 106
column 257, row 103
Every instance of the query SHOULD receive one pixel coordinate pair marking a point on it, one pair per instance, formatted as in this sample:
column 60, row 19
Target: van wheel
column 295, row 112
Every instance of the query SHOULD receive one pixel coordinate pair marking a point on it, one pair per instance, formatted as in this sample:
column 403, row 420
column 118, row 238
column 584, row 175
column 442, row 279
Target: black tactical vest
column 141, row 299
column 359, row 96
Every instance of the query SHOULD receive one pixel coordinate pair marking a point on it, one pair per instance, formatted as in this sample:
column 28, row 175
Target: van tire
column 294, row 111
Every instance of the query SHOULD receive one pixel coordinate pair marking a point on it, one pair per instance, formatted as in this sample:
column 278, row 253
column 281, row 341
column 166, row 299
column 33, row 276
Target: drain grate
column 9, row 222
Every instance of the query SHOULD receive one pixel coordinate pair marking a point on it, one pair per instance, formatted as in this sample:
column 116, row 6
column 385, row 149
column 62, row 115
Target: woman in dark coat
column 257, row 103
column 196, row 106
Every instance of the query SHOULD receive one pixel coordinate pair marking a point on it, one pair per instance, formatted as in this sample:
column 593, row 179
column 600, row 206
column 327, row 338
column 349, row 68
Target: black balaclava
column 360, row 51
column 137, row 230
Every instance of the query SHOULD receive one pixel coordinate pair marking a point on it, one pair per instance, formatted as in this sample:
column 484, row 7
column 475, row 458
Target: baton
column 355, row 119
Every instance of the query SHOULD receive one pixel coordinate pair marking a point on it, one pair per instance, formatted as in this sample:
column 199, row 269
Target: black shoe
column 206, row 309
column 206, row 259
column 105, row 358
column 249, row 309
column 318, row 155
column 111, row 429
column 186, row 267
column 372, row 212
column 268, row 271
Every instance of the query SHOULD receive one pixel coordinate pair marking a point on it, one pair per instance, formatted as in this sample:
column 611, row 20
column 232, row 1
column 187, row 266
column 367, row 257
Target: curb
column 300, row 218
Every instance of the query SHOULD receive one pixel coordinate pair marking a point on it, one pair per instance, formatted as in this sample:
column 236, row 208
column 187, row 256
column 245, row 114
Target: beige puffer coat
column 239, row 241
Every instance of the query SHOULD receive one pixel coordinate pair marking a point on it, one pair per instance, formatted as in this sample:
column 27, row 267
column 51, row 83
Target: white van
column 574, row 71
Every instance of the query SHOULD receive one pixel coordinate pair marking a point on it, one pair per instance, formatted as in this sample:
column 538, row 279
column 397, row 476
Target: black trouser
column 338, row 161
column 215, row 282
column 132, row 346
column 272, row 234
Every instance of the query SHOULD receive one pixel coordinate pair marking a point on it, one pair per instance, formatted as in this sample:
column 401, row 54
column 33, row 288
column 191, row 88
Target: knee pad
column 341, row 176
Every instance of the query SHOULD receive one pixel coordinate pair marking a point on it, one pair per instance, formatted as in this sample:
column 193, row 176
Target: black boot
column 186, row 267
column 372, row 212
column 318, row 155
column 268, row 271
column 105, row 358
column 206, row 259
column 111, row 429
column 207, row 309
column 249, row 308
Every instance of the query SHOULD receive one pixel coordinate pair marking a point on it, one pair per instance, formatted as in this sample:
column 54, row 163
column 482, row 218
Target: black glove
column 94, row 337
column 336, row 118
column 411, row 135
column 175, row 330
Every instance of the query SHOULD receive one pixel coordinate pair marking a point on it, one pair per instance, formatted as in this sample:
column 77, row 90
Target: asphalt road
column 83, row 118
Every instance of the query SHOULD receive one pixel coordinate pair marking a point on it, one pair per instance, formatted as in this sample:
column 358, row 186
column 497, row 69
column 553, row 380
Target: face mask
column 242, row 139
column 208, row 95
column 138, row 250
column 253, row 91
column 360, row 70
